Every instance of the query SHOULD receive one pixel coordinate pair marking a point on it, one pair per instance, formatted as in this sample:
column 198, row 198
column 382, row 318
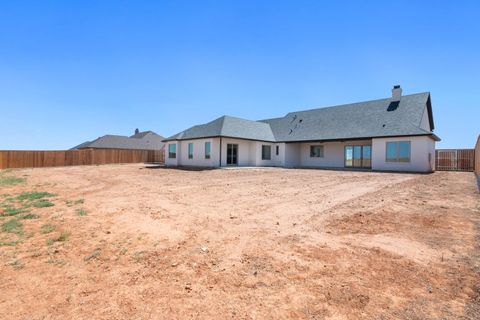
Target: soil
column 157, row 243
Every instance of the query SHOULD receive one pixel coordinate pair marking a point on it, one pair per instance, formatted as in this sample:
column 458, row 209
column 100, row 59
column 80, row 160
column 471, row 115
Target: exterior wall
column 245, row 152
column 198, row 153
column 275, row 160
column 298, row 154
column 421, row 147
column 250, row 153
column 292, row 155
column 333, row 153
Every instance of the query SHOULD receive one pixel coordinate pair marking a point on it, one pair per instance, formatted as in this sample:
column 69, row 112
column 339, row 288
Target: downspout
column 220, row 163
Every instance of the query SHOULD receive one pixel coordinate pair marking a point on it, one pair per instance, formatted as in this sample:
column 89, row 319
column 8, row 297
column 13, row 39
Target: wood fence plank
column 34, row 159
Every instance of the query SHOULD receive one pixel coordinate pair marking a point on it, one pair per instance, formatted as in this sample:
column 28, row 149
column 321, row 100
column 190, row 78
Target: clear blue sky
column 71, row 71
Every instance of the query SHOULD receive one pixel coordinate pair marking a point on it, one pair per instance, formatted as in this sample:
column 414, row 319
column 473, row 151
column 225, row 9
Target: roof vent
column 393, row 105
column 396, row 93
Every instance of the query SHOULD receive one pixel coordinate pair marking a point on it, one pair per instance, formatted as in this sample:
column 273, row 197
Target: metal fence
column 35, row 159
column 455, row 159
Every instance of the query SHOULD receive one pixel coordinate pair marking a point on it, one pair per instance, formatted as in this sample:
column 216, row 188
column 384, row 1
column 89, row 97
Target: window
column 207, row 150
column 398, row 151
column 266, row 152
column 316, row 151
column 190, row 151
column 277, row 150
column 172, row 150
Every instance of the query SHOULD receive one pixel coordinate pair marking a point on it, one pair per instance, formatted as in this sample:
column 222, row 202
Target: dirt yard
column 130, row 242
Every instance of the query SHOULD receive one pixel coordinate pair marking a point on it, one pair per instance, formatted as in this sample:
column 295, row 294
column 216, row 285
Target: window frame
column 269, row 148
column 277, row 150
column 190, row 152
column 208, row 154
column 172, row 155
column 397, row 158
column 321, row 153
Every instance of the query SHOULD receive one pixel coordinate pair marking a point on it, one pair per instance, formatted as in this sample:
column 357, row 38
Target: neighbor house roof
column 147, row 140
column 375, row 118
column 143, row 134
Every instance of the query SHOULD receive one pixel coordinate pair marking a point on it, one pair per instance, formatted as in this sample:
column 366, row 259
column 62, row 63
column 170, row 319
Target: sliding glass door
column 232, row 154
column 366, row 156
column 358, row 156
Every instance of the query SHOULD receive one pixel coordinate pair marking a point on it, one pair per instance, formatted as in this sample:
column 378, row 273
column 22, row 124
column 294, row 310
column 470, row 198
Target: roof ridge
column 350, row 104
column 222, row 119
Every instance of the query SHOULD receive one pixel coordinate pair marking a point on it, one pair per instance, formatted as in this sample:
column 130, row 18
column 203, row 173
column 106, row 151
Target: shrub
column 42, row 204
column 13, row 226
column 80, row 212
column 47, row 228
column 4, row 181
column 34, row 195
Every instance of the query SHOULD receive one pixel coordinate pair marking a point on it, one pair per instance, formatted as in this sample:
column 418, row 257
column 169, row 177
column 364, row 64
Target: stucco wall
column 198, row 153
column 249, row 153
column 420, row 148
column 245, row 156
column 275, row 160
column 333, row 154
column 292, row 155
column 298, row 154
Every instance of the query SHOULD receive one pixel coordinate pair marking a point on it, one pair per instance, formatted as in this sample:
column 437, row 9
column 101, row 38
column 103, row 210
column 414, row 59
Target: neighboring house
column 147, row 140
column 393, row 134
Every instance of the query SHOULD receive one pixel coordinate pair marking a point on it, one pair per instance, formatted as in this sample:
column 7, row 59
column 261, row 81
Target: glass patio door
column 358, row 156
column 232, row 154
column 366, row 156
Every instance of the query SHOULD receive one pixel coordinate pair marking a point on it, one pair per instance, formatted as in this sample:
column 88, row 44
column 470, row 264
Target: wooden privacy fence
column 455, row 159
column 35, row 159
column 477, row 156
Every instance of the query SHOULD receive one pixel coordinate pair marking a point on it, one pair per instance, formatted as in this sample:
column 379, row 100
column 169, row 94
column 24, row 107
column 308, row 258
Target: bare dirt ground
column 129, row 242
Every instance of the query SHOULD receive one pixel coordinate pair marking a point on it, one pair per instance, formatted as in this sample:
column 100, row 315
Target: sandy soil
column 244, row 244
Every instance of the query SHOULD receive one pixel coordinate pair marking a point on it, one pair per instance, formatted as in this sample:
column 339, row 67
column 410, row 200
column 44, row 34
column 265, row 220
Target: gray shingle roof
column 375, row 118
column 148, row 140
column 227, row 126
column 356, row 120
column 142, row 134
column 81, row 145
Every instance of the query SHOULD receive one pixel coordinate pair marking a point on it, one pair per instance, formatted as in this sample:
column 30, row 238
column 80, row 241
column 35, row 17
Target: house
column 391, row 134
column 147, row 140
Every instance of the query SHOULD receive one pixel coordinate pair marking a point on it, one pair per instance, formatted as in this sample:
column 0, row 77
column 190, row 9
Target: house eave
column 219, row 136
column 432, row 135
